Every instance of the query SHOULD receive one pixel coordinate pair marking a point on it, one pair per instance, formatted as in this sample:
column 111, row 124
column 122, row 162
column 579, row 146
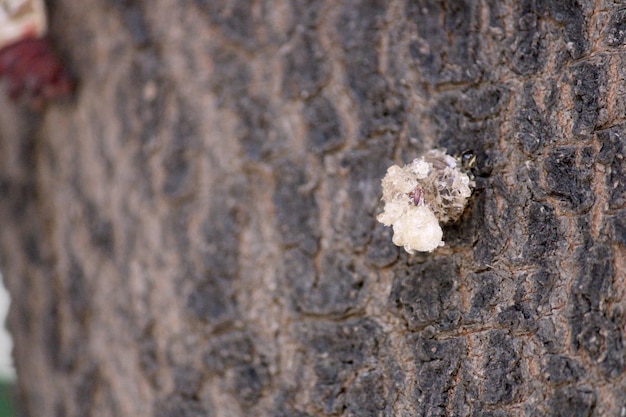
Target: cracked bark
column 195, row 234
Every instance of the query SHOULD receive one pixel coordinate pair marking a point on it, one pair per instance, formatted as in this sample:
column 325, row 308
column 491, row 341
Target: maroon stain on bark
column 34, row 71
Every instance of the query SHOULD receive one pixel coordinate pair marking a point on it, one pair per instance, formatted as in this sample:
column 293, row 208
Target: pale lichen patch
column 419, row 196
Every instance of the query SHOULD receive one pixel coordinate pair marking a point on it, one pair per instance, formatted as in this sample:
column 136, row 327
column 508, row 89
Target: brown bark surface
column 195, row 234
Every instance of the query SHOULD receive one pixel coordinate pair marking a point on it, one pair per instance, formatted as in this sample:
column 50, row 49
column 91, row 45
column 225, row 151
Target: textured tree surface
column 194, row 235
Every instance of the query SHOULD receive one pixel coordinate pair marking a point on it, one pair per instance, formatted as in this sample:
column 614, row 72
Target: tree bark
column 195, row 234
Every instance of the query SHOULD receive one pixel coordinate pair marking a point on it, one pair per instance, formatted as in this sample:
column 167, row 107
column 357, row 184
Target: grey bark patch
column 457, row 131
column 211, row 296
column 572, row 402
column 593, row 283
column 613, row 156
column 176, row 230
column 88, row 383
column 617, row 228
column 567, row 180
column 176, row 166
column 381, row 251
column 229, row 350
column 212, row 302
column 235, row 20
column 140, row 117
column 425, row 295
column 333, row 289
column 206, row 278
column 448, row 52
column 235, row 357
column 249, row 382
column 520, row 316
column 365, row 169
column 231, row 77
column 503, row 376
column 588, row 80
column 297, row 214
column 259, row 136
column 463, row 233
column 615, row 32
column 285, row 410
column 100, row 229
column 306, row 13
column 284, row 405
column 557, row 369
column 365, row 397
column 489, row 242
column 306, row 68
column 220, row 232
column 595, row 327
column 60, row 410
column 77, row 289
column 381, row 108
column 178, row 163
column 22, row 193
column 490, row 413
column 484, row 102
column 448, row 118
column 438, row 363
column 337, row 352
column 187, row 381
column 426, row 57
column 484, row 295
column 32, row 248
column 135, row 22
column 359, row 25
column 51, row 336
column 603, row 341
column 569, row 15
column 532, row 129
column 177, row 406
column 325, row 130
column 542, row 284
column 527, row 46
column 543, row 231
column 148, row 354
column 299, row 274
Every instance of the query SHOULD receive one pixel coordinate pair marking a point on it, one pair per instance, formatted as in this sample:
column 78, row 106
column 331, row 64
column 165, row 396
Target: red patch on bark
column 32, row 70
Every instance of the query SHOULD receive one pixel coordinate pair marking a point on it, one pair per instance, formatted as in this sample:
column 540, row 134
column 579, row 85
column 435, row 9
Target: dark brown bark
column 195, row 234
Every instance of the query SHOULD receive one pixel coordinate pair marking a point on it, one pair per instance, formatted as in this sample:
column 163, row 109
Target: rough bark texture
column 195, row 235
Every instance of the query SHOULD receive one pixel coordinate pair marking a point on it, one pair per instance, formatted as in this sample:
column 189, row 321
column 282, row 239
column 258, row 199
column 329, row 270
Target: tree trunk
column 195, row 234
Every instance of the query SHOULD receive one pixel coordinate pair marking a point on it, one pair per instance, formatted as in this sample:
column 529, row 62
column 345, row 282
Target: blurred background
column 7, row 371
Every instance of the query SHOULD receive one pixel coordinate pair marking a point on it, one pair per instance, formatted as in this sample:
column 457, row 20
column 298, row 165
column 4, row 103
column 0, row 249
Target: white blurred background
column 7, row 371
